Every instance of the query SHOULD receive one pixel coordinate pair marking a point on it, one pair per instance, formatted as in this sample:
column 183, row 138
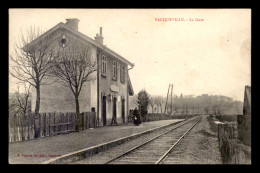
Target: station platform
column 52, row 149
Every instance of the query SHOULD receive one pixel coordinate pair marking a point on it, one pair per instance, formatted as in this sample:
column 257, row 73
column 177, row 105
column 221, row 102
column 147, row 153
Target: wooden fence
column 244, row 129
column 21, row 127
column 230, row 149
column 227, row 131
column 47, row 124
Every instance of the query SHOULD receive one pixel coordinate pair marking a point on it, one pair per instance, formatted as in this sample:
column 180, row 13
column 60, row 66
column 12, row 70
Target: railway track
column 155, row 150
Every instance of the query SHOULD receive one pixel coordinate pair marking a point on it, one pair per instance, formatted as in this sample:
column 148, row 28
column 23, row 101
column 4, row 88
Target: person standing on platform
column 136, row 117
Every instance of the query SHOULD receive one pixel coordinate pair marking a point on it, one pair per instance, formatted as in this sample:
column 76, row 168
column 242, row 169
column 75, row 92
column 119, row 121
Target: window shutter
column 121, row 73
column 105, row 70
column 117, row 66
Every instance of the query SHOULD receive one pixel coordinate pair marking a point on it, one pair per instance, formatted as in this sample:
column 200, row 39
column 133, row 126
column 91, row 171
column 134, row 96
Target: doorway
column 114, row 107
column 123, row 110
column 104, row 110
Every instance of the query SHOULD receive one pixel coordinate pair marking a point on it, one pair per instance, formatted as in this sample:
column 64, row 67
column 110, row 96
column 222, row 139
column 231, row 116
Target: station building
column 108, row 94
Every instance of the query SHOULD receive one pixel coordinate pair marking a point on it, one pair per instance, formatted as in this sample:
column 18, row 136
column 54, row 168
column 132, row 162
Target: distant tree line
column 189, row 104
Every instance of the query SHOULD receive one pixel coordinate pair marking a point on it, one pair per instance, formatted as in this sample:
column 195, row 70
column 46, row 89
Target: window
column 114, row 70
column 104, row 65
column 122, row 73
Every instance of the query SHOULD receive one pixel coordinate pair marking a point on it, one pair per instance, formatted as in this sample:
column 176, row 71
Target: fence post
column 94, row 119
column 71, row 121
column 40, row 125
column 64, row 121
column 87, row 114
column 67, row 120
column 28, row 122
column 22, row 122
column 33, row 125
column 61, row 121
column 14, row 127
column 87, row 120
column 91, row 120
column 49, row 124
column 74, row 121
column 54, row 126
column 18, row 124
column 82, row 121
column 227, row 134
column 45, row 124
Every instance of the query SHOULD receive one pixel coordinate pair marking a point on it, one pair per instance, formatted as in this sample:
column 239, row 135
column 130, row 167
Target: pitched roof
column 90, row 40
column 130, row 87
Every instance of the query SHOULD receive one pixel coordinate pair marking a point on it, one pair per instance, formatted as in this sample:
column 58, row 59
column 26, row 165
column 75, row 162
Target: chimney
column 100, row 31
column 99, row 38
column 73, row 23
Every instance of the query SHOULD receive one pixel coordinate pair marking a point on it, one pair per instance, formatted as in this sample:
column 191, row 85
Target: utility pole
column 171, row 98
column 182, row 104
column 186, row 108
column 167, row 98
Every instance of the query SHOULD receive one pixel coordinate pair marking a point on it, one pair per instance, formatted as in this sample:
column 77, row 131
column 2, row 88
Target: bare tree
column 23, row 100
column 32, row 60
column 160, row 102
column 73, row 69
column 157, row 102
column 20, row 104
column 152, row 102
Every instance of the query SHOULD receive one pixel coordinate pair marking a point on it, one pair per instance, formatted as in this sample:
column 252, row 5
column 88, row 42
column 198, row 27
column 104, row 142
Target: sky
column 211, row 55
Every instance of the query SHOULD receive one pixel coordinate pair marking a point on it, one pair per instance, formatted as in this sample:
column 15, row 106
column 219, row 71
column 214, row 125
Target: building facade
column 108, row 94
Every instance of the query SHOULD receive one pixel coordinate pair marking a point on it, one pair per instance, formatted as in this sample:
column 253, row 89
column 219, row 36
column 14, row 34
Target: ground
column 202, row 147
column 67, row 143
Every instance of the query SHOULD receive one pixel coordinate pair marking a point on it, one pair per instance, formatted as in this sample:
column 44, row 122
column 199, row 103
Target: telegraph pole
column 193, row 108
column 186, row 108
column 171, row 98
column 167, row 98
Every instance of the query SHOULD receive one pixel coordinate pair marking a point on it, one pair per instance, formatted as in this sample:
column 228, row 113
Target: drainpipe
column 128, row 93
column 98, row 90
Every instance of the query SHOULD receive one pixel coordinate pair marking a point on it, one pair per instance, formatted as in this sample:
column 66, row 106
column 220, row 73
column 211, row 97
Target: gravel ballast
column 200, row 146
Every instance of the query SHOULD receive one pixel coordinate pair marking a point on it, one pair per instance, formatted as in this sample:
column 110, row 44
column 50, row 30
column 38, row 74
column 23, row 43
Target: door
column 114, row 107
column 123, row 110
column 104, row 110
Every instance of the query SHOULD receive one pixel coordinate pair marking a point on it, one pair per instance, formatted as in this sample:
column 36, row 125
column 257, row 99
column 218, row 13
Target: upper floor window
column 104, row 65
column 122, row 73
column 114, row 70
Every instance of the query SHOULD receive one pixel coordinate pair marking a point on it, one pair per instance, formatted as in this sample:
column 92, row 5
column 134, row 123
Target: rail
column 166, row 153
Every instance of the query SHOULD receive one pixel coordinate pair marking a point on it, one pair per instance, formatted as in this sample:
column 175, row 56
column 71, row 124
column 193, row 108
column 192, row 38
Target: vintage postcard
column 129, row 86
